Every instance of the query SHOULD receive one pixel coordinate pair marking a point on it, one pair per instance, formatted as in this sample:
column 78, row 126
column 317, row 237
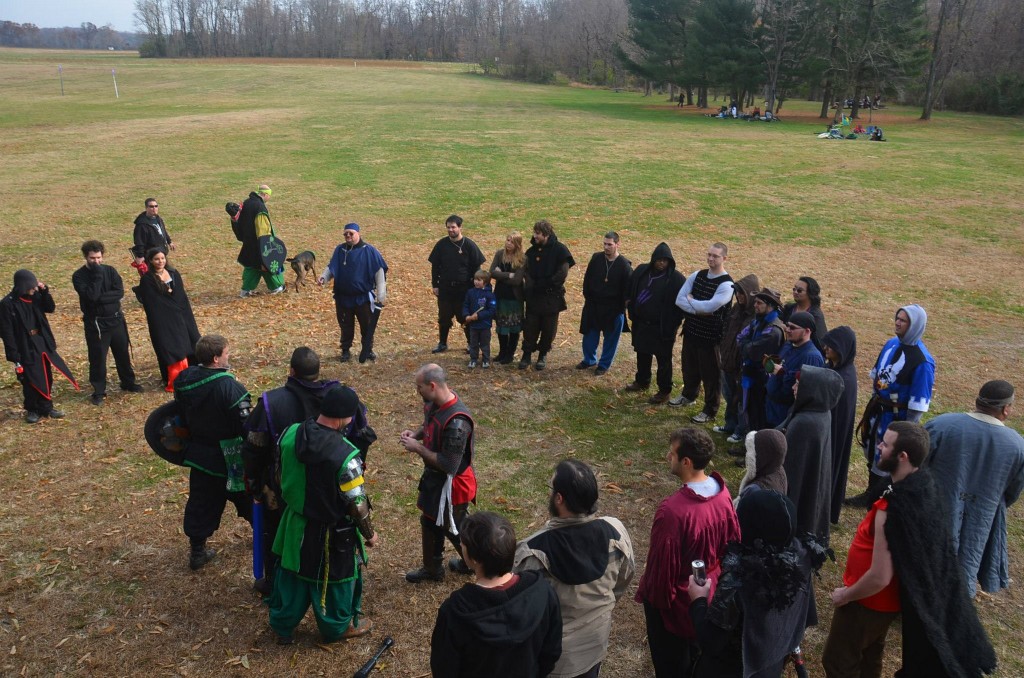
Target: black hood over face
column 843, row 341
column 663, row 251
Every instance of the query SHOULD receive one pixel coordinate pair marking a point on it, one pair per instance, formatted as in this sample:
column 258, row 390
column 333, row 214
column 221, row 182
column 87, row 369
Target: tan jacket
column 586, row 607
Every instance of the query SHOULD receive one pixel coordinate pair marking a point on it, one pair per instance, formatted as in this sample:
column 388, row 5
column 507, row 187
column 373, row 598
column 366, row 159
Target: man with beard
column 587, row 559
column 29, row 344
column 693, row 523
column 547, row 266
column 797, row 352
column 655, row 318
column 901, row 381
column 453, row 262
column 214, row 407
column 254, row 223
column 100, row 291
column 360, row 288
column 445, row 444
column 298, row 400
column 902, row 551
column 978, row 464
column 325, row 525
column 605, row 285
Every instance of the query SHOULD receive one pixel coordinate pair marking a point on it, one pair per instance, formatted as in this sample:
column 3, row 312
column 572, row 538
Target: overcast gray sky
column 58, row 13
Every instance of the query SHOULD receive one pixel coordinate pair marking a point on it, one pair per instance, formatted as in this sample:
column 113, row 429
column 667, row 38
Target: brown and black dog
column 301, row 263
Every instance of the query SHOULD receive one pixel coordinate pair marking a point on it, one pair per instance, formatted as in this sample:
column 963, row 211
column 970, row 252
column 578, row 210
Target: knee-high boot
column 432, row 542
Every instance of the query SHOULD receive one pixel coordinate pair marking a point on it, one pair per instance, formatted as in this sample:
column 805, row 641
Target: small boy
column 479, row 307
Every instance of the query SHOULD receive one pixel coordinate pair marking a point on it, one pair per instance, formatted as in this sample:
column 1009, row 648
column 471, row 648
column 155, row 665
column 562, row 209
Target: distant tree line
column 85, row 36
column 959, row 54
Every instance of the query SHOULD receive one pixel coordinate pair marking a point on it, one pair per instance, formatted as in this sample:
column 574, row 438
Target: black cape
column 605, row 287
column 843, row 341
column 172, row 327
column 19, row 316
column 945, row 636
column 655, row 320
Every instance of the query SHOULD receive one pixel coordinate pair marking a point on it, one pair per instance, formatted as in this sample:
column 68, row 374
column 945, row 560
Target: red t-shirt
column 859, row 561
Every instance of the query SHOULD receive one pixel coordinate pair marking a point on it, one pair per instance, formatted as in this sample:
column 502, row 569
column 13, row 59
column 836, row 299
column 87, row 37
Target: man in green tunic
column 325, row 524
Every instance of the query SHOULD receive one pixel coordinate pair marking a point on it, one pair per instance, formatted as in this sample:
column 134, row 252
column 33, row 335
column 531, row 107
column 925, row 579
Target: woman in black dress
column 172, row 327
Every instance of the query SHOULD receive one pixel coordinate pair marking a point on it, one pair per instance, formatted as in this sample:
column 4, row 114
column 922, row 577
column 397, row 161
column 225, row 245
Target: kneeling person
column 325, row 520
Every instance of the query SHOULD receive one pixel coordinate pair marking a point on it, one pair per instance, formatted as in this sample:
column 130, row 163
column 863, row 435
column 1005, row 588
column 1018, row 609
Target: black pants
column 643, row 370
column 539, row 330
column 103, row 335
column 449, row 304
column 670, row 654
column 702, row 363
column 347, row 317
column 35, row 401
column 459, row 513
column 207, row 497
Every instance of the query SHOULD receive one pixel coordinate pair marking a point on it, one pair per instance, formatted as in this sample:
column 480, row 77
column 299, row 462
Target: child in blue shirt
column 479, row 307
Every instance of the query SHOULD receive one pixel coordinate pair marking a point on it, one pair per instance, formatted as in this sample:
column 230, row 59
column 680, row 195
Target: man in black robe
column 29, row 344
column 100, row 291
column 605, row 285
column 453, row 262
column 651, row 303
column 547, row 266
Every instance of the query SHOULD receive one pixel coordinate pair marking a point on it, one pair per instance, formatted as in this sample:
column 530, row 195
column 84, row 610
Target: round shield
column 272, row 253
column 166, row 433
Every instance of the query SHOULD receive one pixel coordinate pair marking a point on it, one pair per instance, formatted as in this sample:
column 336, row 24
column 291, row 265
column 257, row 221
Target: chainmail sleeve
column 453, row 444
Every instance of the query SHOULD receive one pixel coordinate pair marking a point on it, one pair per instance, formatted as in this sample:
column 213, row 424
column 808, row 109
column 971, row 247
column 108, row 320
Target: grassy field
column 93, row 574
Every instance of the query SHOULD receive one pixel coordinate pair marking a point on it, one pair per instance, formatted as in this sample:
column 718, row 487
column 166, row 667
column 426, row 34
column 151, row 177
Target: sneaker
column 734, row 439
column 278, row 290
column 680, row 401
column 636, row 387
column 486, row 365
column 440, row 348
column 55, row 414
column 720, row 429
column 472, row 364
column 541, row 363
column 346, row 356
column 524, row 363
column 658, row 398
column 584, row 365
column 133, row 388
column 600, row 372
column 97, row 398
column 701, row 418
column 32, row 418
column 366, row 355
column 246, row 293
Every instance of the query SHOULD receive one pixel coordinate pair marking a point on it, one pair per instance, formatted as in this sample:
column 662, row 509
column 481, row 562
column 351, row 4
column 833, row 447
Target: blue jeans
column 611, row 344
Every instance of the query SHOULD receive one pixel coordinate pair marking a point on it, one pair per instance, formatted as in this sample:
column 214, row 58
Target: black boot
column 876, row 486
column 502, row 348
column 199, row 555
column 513, row 344
column 433, row 558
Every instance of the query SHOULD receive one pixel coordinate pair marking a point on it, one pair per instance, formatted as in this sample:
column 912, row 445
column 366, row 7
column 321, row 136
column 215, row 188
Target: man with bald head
column 253, row 224
column 978, row 465
column 445, row 444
